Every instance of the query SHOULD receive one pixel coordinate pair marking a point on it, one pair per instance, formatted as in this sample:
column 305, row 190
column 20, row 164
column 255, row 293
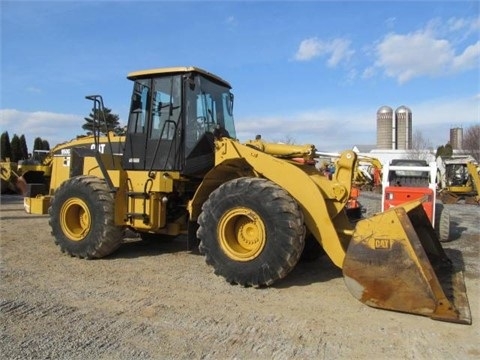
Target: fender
column 321, row 200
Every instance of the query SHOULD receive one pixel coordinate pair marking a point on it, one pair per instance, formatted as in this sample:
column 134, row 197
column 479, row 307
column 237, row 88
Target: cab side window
column 165, row 108
column 139, row 110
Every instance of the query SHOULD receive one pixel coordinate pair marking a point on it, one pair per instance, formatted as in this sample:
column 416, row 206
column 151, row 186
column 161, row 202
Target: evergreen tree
column 40, row 144
column 6, row 149
column 448, row 150
column 16, row 148
column 37, row 144
column 45, row 145
column 120, row 130
column 444, row 151
column 112, row 121
column 23, row 147
column 440, row 151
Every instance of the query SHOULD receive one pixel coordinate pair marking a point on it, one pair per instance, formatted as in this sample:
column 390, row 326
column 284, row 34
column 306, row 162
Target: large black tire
column 82, row 218
column 251, row 231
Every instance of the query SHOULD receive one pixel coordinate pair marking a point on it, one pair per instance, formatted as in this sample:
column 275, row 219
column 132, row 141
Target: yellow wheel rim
column 241, row 234
column 75, row 219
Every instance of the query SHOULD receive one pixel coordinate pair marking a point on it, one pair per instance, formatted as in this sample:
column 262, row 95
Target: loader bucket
column 396, row 262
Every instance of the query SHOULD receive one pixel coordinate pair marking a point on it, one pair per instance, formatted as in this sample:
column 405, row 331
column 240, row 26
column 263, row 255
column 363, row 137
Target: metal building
column 385, row 128
column 456, row 138
column 403, row 120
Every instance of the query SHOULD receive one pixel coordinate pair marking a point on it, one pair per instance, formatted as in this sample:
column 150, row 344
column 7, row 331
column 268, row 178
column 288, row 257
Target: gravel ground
column 157, row 301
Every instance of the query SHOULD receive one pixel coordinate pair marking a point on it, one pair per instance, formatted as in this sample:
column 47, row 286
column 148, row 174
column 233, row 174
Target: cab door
column 154, row 128
column 164, row 138
column 137, row 129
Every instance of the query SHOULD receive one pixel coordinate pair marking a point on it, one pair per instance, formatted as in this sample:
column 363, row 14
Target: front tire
column 312, row 250
column 251, row 231
column 82, row 218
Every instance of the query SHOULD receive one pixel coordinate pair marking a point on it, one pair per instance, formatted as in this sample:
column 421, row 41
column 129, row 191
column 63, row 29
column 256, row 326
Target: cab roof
column 173, row 70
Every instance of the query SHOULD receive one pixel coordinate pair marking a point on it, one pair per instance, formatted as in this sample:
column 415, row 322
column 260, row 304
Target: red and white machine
column 405, row 180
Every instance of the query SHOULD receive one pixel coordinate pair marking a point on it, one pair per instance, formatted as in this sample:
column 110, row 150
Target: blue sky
column 309, row 71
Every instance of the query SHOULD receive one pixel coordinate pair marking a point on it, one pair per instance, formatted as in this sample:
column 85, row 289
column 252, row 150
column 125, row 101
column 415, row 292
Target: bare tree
column 288, row 139
column 471, row 141
column 421, row 147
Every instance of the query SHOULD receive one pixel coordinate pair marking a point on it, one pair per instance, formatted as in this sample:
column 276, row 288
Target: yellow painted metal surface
column 152, row 207
column 475, row 177
column 396, row 262
column 321, row 200
column 149, row 73
column 162, row 182
column 8, row 176
column 242, row 234
column 60, row 172
column 75, row 219
column 306, row 152
column 392, row 261
column 38, row 205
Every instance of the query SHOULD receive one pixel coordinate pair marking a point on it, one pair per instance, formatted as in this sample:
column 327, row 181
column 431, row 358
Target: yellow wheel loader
column 248, row 207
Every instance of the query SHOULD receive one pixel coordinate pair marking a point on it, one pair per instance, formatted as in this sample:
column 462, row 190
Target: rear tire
column 251, row 231
column 82, row 218
column 442, row 223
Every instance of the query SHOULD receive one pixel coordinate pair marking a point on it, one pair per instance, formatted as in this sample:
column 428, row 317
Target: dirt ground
column 157, row 301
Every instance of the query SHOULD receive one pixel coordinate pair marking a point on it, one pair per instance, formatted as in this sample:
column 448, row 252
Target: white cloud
column 333, row 129
column 340, row 50
column 436, row 117
column 53, row 127
column 455, row 24
column 328, row 130
column 309, row 49
column 337, row 49
column 464, row 25
column 408, row 56
column 469, row 59
column 447, row 111
column 340, row 129
column 427, row 52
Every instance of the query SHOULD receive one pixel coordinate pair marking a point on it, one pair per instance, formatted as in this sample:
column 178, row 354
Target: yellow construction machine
column 8, row 176
column 37, row 171
column 248, row 207
column 368, row 174
column 458, row 179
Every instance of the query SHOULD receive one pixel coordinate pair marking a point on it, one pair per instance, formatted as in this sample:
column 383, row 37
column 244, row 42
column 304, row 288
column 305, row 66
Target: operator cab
column 174, row 115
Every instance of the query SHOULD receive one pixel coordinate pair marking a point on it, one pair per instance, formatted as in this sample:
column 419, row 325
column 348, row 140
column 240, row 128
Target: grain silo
column 385, row 128
column 456, row 138
column 403, row 120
